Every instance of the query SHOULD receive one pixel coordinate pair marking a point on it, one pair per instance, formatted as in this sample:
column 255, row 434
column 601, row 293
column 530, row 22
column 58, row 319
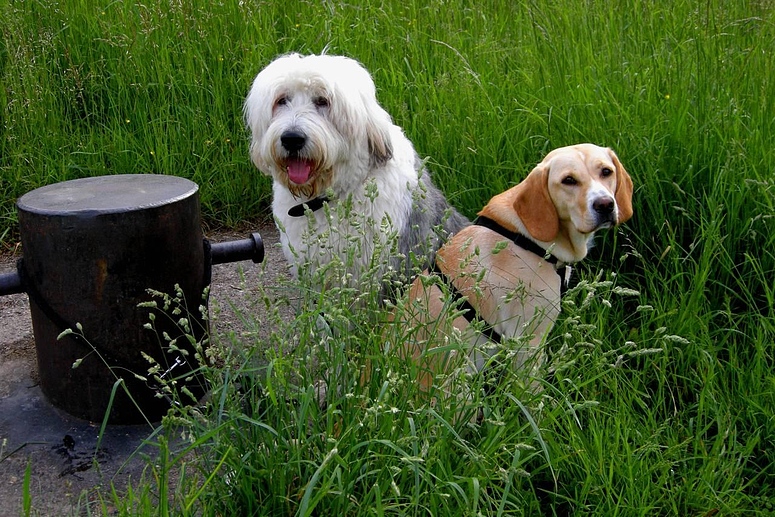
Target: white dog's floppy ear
column 623, row 194
column 257, row 113
column 534, row 206
column 380, row 146
column 378, row 124
column 257, row 123
column 358, row 114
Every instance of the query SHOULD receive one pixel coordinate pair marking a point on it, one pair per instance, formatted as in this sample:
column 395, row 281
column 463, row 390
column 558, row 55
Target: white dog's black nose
column 292, row 141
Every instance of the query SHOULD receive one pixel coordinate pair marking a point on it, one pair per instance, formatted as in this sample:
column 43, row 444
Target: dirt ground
column 60, row 449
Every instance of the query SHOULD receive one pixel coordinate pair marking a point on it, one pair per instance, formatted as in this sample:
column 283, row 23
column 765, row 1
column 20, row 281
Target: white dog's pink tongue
column 299, row 170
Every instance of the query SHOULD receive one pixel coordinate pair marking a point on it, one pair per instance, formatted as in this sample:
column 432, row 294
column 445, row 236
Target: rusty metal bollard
column 92, row 249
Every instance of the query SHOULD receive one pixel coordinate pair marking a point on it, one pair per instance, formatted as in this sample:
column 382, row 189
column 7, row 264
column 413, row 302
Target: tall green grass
column 683, row 91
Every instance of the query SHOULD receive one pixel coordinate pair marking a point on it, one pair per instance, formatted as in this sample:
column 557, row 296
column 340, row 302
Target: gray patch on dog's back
column 432, row 221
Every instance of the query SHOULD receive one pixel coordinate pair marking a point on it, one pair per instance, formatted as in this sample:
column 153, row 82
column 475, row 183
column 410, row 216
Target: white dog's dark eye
column 281, row 101
column 606, row 172
column 569, row 180
column 320, row 102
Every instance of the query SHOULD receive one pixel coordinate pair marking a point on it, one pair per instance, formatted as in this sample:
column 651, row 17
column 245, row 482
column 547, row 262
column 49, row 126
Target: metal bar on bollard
column 251, row 248
column 11, row 283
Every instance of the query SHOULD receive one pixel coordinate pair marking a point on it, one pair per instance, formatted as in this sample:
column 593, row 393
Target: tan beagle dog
column 508, row 265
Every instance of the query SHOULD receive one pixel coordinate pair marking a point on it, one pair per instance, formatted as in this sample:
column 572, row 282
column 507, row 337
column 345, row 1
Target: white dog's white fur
column 319, row 132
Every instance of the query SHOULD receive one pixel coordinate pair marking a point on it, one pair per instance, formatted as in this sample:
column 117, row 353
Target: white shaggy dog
column 319, row 132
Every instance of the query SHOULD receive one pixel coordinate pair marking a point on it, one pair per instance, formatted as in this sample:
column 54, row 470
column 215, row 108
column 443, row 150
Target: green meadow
column 659, row 393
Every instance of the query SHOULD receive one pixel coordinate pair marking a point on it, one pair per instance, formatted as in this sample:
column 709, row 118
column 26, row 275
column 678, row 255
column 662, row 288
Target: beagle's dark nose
column 292, row 141
column 604, row 206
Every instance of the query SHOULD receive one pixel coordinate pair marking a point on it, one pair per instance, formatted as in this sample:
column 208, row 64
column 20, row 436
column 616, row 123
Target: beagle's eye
column 569, row 180
column 606, row 171
column 320, row 102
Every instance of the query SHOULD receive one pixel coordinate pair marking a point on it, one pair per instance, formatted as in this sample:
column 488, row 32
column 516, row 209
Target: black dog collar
column 313, row 204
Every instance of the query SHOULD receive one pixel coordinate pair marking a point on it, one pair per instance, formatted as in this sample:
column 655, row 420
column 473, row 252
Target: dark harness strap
column 517, row 238
column 469, row 312
column 523, row 242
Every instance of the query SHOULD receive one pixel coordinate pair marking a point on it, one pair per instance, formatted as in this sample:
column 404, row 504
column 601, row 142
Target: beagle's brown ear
column 623, row 192
column 535, row 207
